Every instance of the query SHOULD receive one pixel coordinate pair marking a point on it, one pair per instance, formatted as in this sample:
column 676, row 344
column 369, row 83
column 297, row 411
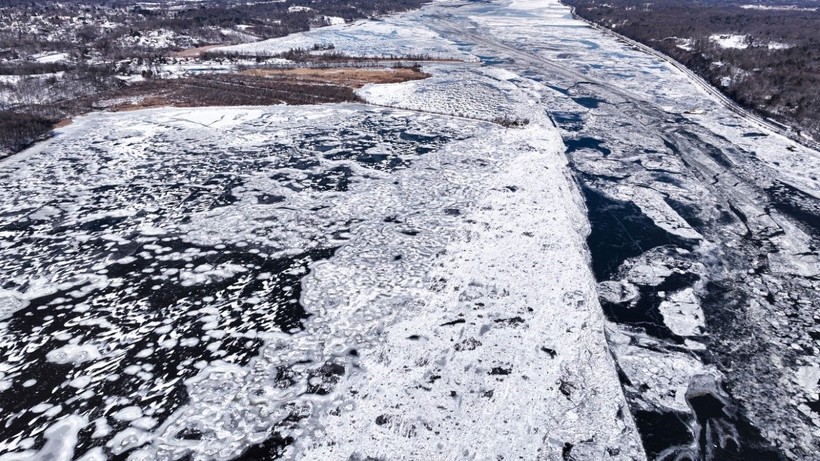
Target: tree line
column 776, row 73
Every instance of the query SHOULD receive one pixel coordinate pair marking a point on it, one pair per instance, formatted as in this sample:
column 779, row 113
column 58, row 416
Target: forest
column 766, row 56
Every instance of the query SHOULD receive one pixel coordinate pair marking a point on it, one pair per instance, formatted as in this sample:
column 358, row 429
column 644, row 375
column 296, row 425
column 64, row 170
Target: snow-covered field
column 405, row 279
column 734, row 41
column 741, row 42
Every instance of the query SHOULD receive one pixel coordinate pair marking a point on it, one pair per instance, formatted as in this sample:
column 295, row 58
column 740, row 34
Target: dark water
column 576, row 144
column 644, row 313
column 795, row 203
column 492, row 60
column 620, row 230
column 568, row 121
column 588, row 101
column 661, row 430
column 147, row 305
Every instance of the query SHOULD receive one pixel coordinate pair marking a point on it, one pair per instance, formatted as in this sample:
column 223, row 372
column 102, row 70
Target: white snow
column 145, row 423
column 684, row 43
column 101, row 428
column 41, row 408
column 51, row 57
column 809, row 378
column 131, row 413
column 463, row 91
column 73, row 354
column 128, row 439
column 682, row 314
column 207, row 273
column 61, row 439
column 94, row 454
column 489, row 272
column 734, row 41
column 334, row 20
column 666, row 375
column 778, row 7
column 11, row 302
column 144, row 353
column 778, row 45
column 653, row 205
column 156, row 39
column 80, row 382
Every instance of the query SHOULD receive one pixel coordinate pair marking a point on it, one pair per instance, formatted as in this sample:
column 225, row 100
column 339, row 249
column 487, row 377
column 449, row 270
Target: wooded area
column 765, row 58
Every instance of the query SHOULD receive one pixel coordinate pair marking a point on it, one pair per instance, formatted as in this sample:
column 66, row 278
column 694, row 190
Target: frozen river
column 632, row 275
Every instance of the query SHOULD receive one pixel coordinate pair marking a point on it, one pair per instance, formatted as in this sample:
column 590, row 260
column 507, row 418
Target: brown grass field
column 351, row 77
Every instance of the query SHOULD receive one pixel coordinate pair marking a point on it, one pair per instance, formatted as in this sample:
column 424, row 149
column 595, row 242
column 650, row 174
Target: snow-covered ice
column 409, row 232
column 405, row 278
column 73, row 354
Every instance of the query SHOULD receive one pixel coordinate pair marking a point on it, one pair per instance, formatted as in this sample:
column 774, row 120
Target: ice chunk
column 11, row 302
column 131, row 413
column 128, row 439
column 73, row 354
column 682, row 313
column 80, row 382
column 61, row 439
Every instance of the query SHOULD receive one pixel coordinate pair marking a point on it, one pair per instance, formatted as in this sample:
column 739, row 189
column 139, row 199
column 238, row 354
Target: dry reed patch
column 352, row 77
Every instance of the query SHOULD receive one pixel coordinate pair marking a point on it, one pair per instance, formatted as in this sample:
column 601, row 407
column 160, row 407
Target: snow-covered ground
column 778, row 7
column 734, row 41
column 51, row 57
column 684, row 43
column 741, row 42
